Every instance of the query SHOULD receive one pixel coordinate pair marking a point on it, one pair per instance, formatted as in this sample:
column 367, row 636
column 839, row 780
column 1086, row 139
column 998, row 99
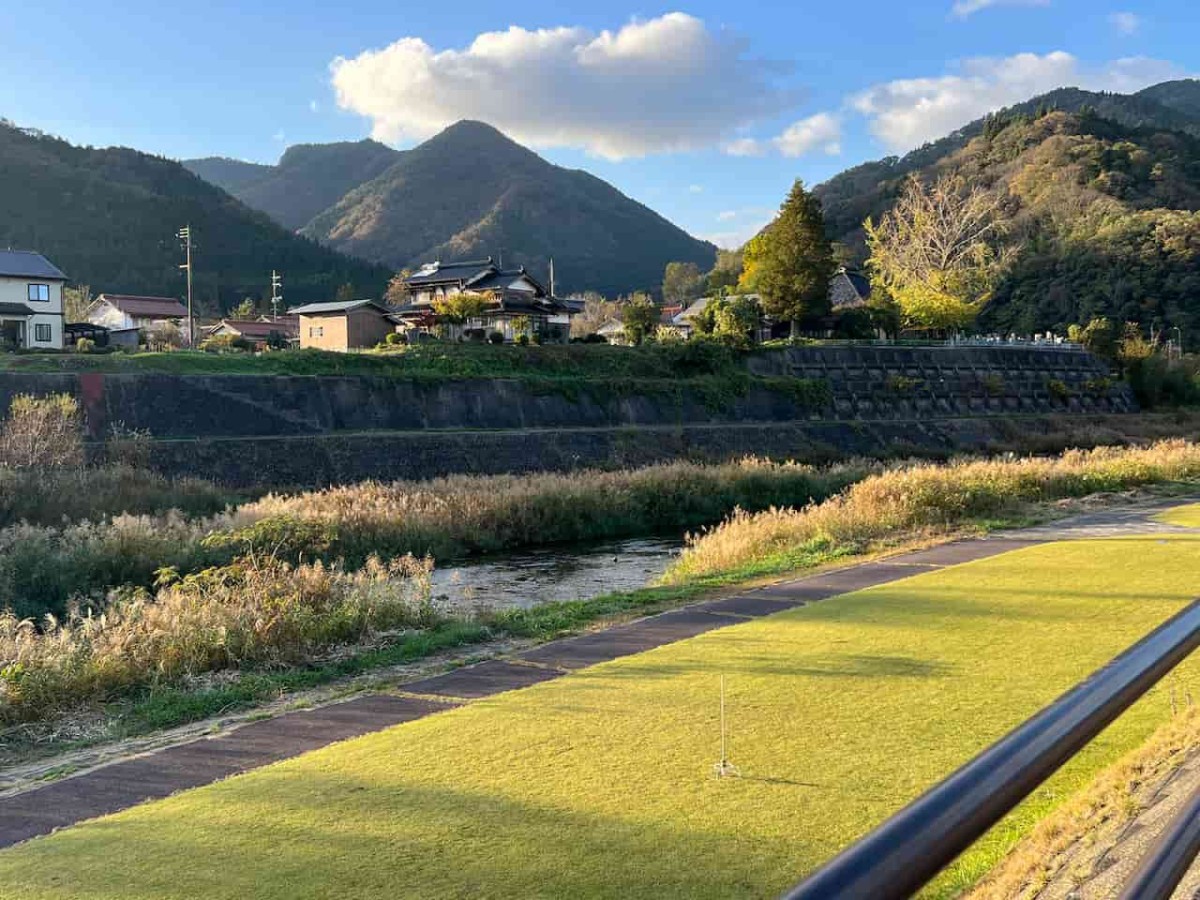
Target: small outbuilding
column 349, row 325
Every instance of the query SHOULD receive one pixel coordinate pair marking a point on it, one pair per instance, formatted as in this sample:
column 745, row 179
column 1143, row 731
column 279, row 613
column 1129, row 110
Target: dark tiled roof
column 450, row 273
column 27, row 264
column 499, row 280
column 15, row 309
column 146, row 307
column 861, row 283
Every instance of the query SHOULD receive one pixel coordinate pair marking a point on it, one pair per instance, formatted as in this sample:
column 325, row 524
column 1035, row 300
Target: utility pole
column 276, row 293
column 552, row 276
column 185, row 235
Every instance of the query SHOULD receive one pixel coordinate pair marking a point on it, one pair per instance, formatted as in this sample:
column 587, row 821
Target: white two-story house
column 31, row 301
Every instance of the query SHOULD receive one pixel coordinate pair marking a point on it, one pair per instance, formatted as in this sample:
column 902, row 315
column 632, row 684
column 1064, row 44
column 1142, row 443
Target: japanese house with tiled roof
column 31, row 301
column 509, row 294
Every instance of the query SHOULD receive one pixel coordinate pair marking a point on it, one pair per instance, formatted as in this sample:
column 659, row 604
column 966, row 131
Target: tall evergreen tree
column 792, row 261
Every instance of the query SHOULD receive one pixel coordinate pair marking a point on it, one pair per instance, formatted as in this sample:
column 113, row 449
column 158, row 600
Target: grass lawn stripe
column 599, row 784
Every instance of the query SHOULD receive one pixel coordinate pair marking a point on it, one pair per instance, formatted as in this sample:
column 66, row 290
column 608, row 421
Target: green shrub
column 902, row 384
column 1158, row 381
column 1058, row 389
column 993, row 384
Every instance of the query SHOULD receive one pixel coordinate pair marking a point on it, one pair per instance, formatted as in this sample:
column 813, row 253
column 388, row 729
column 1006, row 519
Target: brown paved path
column 160, row 773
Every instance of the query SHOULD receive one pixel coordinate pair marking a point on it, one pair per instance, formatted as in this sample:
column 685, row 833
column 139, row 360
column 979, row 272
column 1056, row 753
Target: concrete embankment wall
column 305, row 430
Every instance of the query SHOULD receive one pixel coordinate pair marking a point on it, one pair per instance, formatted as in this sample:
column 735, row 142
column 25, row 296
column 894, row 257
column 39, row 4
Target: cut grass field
column 1187, row 516
column 600, row 783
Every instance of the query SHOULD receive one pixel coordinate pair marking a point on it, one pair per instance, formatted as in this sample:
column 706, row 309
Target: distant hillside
column 308, row 179
column 1104, row 217
column 108, row 217
column 230, row 175
column 471, row 192
column 869, row 189
column 1182, row 96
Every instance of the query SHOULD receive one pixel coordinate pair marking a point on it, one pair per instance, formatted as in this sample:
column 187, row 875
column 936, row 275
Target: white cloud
column 279, row 137
column 964, row 8
column 909, row 112
column 658, row 85
column 695, row 189
column 1126, row 23
column 744, row 147
column 820, row 132
column 726, row 215
column 313, row 106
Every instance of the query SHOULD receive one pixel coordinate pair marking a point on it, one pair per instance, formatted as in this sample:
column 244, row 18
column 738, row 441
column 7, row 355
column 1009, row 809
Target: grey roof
column 15, row 309
column 28, row 264
column 451, row 273
column 498, row 280
column 319, row 309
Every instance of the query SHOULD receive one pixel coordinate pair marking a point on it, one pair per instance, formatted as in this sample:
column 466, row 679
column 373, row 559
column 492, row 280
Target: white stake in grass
column 724, row 768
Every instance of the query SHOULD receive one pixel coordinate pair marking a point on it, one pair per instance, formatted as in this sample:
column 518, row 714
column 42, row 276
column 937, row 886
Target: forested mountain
column 869, row 189
column 230, row 175
column 472, row 192
column 108, row 217
column 1103, row 216
column 308, row 179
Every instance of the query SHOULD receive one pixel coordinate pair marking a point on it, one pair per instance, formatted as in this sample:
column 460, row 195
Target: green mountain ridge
column 1101, row 199
column 870, row 188
column 467, row 192
column 308, row 179
column 108, row 217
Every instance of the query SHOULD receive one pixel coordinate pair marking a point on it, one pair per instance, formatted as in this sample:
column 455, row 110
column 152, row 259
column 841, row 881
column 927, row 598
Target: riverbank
column 883, row 670
column 391, row 659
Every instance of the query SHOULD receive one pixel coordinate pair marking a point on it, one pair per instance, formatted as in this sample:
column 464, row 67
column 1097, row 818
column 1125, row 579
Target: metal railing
column 909, row 849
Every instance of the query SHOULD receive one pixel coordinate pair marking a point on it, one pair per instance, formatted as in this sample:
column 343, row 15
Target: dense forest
column 1102, row 206
column 108, row 218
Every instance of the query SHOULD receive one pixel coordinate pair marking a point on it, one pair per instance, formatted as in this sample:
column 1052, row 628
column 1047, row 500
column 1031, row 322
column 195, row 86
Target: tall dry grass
column 44, row 568
column 465, row 514
column 930, row 497
column 255, row 612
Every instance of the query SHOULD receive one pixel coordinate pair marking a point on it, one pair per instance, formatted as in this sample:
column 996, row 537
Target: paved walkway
column 160, row 773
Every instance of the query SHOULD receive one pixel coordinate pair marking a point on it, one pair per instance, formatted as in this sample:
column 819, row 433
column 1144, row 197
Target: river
column 557, row 573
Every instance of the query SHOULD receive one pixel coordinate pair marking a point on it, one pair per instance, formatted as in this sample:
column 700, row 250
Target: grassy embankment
column 839, row 713
column 706, row 371
column 70, row 664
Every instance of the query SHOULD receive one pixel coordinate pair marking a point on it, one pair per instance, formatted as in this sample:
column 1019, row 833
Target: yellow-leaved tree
column 939, row 252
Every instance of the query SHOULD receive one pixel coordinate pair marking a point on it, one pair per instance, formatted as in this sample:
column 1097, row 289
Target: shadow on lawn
column 306, row 833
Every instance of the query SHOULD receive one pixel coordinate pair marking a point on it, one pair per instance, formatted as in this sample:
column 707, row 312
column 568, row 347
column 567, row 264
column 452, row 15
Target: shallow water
column 561, row 573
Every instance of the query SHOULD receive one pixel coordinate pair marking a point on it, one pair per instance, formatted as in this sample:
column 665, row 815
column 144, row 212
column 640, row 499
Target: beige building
column 31, row 301
column 353, row 325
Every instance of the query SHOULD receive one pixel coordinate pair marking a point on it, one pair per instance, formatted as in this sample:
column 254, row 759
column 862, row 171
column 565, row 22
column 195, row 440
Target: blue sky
column 703, row 111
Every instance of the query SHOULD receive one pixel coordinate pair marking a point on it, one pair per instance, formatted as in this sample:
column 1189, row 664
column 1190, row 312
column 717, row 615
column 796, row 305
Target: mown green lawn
column 1188, row 516
column 600, row 783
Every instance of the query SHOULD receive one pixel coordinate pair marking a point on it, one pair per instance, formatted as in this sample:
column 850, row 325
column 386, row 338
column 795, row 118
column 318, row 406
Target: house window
column 316, row 331
column 41, row 333
column 39, row 292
